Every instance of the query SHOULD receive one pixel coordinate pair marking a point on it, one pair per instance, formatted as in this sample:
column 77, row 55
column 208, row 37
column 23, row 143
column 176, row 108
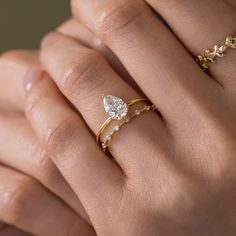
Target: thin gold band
column 147, row 108
column 109, row 120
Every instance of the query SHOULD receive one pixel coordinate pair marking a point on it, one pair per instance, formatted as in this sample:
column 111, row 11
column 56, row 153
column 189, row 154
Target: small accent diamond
column 117, row 128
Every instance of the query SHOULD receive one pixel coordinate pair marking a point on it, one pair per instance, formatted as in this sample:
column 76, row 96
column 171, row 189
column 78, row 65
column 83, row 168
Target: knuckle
column 220, row 146
column 44, row 169
column 50, row 175
column 59, row 138
column 43, row 164
column 116, row 17
column 222, row 169
column 33, row 99
column 41, row 158
column 17, row 201
column 81, row 75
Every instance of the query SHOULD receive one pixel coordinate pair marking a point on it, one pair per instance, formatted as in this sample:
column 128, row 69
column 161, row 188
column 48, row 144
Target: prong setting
column 115, row 107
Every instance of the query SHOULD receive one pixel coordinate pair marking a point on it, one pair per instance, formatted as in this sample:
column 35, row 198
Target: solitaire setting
column 115, row 107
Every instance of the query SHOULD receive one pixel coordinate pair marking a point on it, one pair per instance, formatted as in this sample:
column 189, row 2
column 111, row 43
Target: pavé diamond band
column 210, row 55
column 118, row 110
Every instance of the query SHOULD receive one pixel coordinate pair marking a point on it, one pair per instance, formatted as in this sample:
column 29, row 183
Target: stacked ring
column 210, row 55
column 117, row 109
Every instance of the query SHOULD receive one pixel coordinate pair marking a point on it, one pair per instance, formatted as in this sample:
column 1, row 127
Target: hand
column 31, row 185
column 174, row 173
column 6, row 230
column 29, row 158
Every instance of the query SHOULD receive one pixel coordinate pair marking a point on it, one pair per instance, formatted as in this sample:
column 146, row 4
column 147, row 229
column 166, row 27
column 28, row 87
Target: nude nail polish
column 32, row 76
column 47, row 38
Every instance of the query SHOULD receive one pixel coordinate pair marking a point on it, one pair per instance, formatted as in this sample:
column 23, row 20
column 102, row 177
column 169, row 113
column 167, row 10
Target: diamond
column 115, row 107
column 117, row 128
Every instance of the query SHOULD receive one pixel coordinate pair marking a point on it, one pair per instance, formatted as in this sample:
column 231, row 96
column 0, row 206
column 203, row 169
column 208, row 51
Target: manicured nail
column 32, row 76
column 97, row 41
column 47, row 38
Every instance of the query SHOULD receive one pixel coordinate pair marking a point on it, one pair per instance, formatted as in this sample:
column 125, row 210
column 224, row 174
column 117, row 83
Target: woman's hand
column 28, row 157
column 174, row 172
column 33, row 195
column 6, row 230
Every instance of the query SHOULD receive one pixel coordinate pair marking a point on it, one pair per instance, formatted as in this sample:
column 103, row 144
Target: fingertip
column 48, row 38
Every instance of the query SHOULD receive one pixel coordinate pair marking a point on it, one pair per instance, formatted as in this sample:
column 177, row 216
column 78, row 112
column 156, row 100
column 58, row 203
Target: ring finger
column 83, row 79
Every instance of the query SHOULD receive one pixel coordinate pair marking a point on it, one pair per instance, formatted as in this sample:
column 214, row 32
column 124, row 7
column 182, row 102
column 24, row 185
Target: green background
column 24, row 22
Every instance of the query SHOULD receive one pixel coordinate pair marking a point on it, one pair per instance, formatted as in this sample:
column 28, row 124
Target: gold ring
column 117, row 109
column 210, row 55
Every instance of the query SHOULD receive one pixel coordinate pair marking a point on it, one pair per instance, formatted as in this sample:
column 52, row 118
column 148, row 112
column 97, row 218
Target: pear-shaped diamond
column 115, row 107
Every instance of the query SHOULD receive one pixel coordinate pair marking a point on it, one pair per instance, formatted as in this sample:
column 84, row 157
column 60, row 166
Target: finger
column 232, row 3
column 8, row 230
column 13, row 66
column 201, row 25
column 157, row 61
column 78, row 31
column 29, row 158
column 94, row 177
column 25, row 204
column 83, row 80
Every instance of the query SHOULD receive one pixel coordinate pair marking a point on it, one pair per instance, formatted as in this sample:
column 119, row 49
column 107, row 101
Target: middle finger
column 161, row 66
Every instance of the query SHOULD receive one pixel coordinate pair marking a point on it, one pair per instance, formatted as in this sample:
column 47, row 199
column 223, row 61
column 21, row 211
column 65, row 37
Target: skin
column 15, row 192
column 29, row 157
column 187, row 154
column 181, row 182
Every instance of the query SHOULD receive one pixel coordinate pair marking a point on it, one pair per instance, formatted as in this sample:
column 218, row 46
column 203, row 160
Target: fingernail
column 98, row 42
column 32, row 76
column 47, row 38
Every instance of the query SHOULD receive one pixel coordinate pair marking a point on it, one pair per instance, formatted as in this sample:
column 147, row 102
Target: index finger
column 13, row 66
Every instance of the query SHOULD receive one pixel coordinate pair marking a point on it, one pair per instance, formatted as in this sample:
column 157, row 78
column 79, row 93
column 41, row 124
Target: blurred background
column 24, row 22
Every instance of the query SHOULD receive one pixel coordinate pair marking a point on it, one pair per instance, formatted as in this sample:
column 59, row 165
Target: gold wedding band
column 210, row 55
column 117, row 109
